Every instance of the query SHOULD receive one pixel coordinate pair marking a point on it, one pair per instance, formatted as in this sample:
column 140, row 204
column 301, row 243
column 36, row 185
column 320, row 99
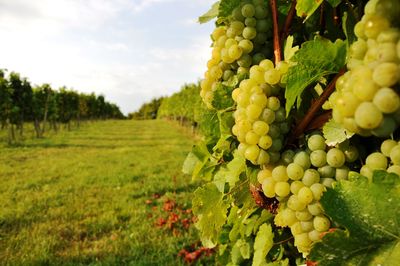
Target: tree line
column 45, row 107
column 184, row 106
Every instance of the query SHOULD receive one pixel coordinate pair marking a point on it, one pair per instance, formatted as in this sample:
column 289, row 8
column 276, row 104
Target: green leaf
column 222, row 97
column 230, row 173
column 211, row 211
column 240, row 250
column 314, row 60
column 289, row 49
column 370, row 212
column 226, row 7
column 334, row 133
column 262, row 244
column 305, row 8
column 348, row 23
column 334, row 3
column 210, row 14
column 196, row 159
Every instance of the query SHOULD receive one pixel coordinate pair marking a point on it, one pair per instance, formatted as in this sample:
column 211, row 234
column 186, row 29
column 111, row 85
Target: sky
column 128, row 50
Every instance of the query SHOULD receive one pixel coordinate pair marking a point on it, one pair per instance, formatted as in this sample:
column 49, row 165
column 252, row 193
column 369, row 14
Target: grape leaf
column 222, row 97
column 262, row 244
column 289, row 49
column 211, row 211
column 370, row 212
column 348, row 23
column 210, row 14
column 226, row 7
column 315, row 59
column 196, row 159
column 305, row 8
column 334, row 3
column 240, row 251
column 334, row 133
column 230, row 172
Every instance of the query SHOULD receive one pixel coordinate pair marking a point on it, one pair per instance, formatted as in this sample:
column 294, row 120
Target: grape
column 252, row 138
column 303, row 159
column 304, row 215
column 317, row 189
column 287, row 158
column 351, row 154
column 279, row 173
column 265, row 142
column 314, row 235
column 387, row 100
column 295, row 171
column 321, row 223
column 268, row 187
column 374, row 25
column 249, row 33
column 248, row 11
column 376, row 161
column 305, row 195
column 272, row 76
column 246, row 45
column 318, row 158
column 335, row 157
column 386, row 74
column 296, row 186
column 394, row 169
column 307, row 226
column 315, row 208
column 282, row 189
column 295, row 204
column 296, row 229
column 395, row 155
column 341, row 173
column 316, row 142
column 260, row 128
column 310, row 177
column 263, row 174
column 252, row 152
column 326, row 171
column 387, row 146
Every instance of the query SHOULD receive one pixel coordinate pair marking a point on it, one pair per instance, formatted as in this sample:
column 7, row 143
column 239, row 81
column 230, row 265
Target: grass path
column 79, row 197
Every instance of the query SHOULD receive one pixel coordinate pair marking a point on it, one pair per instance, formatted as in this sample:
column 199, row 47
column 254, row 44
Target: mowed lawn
column 90, row 196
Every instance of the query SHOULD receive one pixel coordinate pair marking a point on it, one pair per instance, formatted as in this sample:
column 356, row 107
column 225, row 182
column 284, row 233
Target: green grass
column 78, row 197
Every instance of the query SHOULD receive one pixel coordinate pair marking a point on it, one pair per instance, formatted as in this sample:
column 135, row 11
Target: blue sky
column 128, row 50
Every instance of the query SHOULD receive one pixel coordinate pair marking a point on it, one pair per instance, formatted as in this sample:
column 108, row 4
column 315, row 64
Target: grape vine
column 306, row 94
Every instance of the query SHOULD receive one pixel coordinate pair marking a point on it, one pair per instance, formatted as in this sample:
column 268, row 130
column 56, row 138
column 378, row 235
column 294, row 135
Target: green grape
column 235, row 51
column 302, row 240
column 376, row 161
column 314, row 208
column 295, row 204
column 366, row 171
column 263, row 174
column 327, row 182
column 317, row 189
column 321, row 223
column 273, row 103
column 394, row 169
column 263, row 157
column 249, row 33
column 227, row 75
column 314, row 235
column 257, row 58
column 295, row 171
column 265, row 142
column 288, row 217
column 304, row 215
column 268, row 187
column 342, row 173
column 387, row 146
column 251, row 152
column 358, row 49
column 386, row 74
column 310, row 177
column 237, row 14
column 276, row 145
column 287, row 158
column 391, row 35
column 274, row 131
column 316, row 142
column 365, row 89
column 387, row 100
column 263, row 25
column 347, row 103
column 282, row 189
column 260, row 128
column 305, row 195
column 318, row 158
column 296, row 186
column 303, row 159
column 335, row 157
column 253, row 111
column 387, row 52
column 351, row 154
column 260, row 38
column 250, row 22
column 279, row 173
column 268, row 116
column 272, row 76
column 248, row 10
column 267, row 64
column 261, row 11
column 296, row 229
column 245, row 60
column 307, row 226
column 259, row 99
column 395, row 155
column 275, row 156
column 246, row 45
column 280, row 115
column 252, row 138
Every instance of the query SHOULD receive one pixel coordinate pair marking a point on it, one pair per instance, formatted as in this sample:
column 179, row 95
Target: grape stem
column 277, row 45
column 288, row 21
column 315, row 107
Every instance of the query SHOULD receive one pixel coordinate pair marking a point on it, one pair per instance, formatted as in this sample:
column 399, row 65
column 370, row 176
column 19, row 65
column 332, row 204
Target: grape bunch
column 298, row 182
column 387, row 159
column 366, row 100
column 237, row 44
column 260, row 117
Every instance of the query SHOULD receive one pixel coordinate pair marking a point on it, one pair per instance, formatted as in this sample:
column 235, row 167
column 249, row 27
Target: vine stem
column 315, row 107
column 288, row 21
column 277, row 45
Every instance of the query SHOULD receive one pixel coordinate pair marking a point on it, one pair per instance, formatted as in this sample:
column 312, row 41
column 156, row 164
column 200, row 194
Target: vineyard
column 303, row 164
column 296, row 156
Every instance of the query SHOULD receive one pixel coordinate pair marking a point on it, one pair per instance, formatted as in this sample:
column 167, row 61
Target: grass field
column 90, row 196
